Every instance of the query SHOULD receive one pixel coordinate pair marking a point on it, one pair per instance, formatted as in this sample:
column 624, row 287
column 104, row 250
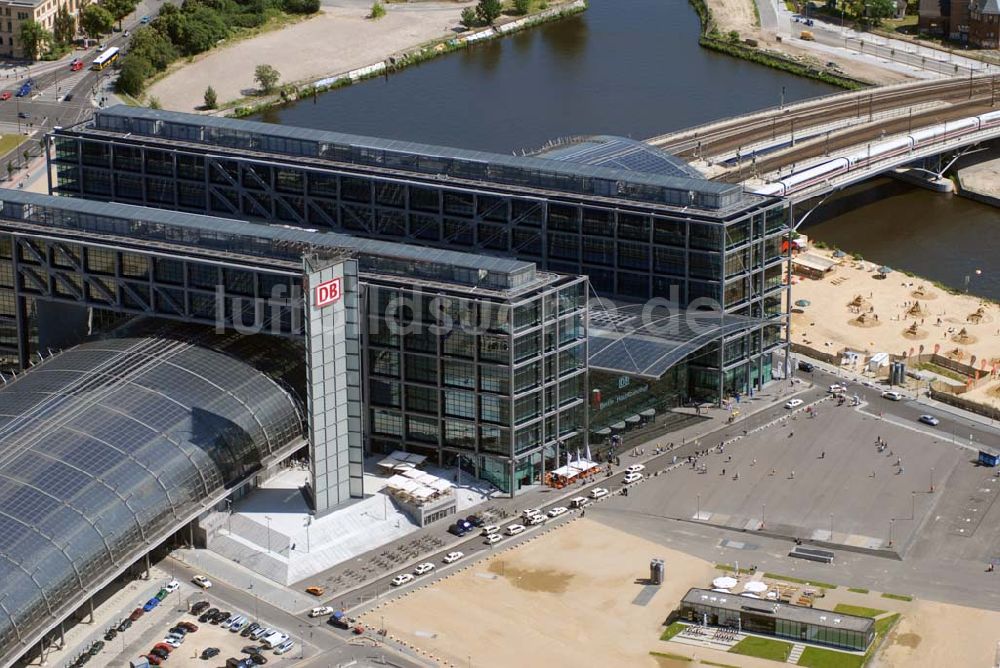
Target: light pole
column 831, row 527
column 763, row 507
column 932, row 479
column 229, row 509
column 309, row 521
column 891, row 521
column 268, row 518
column 782, row 103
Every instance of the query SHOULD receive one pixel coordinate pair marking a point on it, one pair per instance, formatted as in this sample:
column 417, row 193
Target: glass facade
column 494, row 381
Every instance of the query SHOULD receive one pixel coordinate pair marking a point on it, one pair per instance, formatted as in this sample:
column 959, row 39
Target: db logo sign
column 327, row 293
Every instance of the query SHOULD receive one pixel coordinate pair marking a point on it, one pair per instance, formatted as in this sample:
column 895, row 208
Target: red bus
column 76, row 65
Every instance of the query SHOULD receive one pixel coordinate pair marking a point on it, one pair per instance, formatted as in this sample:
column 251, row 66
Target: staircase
column 797, row 650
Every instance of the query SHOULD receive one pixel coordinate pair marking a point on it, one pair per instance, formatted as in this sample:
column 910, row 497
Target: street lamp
column 763, row 507
column 831, row 527
column 268, row 518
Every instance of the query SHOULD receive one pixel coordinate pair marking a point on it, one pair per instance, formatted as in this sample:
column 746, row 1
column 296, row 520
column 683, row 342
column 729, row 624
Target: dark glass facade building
column 637, row 222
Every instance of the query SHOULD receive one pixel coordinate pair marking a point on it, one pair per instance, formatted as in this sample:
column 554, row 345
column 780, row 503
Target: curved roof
column 106, row 448
column 619, row 153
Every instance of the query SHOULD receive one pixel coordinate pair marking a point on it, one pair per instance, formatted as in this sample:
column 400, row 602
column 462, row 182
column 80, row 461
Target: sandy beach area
column 339, row 39
column 852, row 308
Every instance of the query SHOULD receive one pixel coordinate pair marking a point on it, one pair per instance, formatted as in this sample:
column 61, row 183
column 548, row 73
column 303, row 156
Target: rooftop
column 587, row 175
column 786, row 611
column 209, row 233
column 620, row 153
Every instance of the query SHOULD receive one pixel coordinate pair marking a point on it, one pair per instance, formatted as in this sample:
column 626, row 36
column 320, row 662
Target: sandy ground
column 337, row 40
column 938, row 634
column 569, row 598
column 828, row 323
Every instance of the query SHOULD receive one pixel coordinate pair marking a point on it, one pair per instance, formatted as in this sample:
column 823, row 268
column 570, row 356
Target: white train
column 879, row 151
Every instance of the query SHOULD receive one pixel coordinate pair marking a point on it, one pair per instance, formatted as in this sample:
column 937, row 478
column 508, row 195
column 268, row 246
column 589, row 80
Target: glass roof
column 641, row 341
column 620, row 153
column 107, row 447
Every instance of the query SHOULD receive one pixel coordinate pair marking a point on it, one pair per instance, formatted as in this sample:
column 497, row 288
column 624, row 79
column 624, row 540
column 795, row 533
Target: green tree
column 879, row 9
column 119, row 9
column 266, row 77
column 96, row 21
column 33, row 38
column 488, row 11
column 469, row 17
column 733, row 36
column 154, row 103
column 211, row 98
column 63, row 26
column 378, row 10
column 522, row 6
column 10, row 170
column 153, row 46
column 25, row 154
column 133, row 74
column 301, row 6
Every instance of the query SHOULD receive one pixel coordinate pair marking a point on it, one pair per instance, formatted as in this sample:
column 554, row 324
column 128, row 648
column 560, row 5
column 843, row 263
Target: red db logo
column 327, row 293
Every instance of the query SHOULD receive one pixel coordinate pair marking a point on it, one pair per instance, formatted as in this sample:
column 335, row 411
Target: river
column 635, row 68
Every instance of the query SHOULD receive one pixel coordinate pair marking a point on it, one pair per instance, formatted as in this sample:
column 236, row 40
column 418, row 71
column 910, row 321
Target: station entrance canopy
column 646, row 341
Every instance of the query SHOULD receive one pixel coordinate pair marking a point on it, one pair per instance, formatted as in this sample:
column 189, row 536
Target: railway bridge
column 817, row 146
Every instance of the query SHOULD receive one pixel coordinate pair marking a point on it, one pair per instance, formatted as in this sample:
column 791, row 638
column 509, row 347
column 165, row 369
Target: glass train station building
column 350, row 296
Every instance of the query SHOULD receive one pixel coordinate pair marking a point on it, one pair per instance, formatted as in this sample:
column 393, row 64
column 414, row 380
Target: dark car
column 475, row 521
column 110, row 635
column 221, row 617
column 68, row 97
column 807, row 366
column 209, row 653
column 259, row 659
column 249, row 629
column 190, row 626
column 157, row 651
column 461, row 527
column 208, row 615
column 199, row 607
column 179, row 630
column 251, row 649
column 154, row 660
column 95, row 648
column 150, row 604
column 162, row 594
column 22, row 114
column 136, row 614
column 125, row 623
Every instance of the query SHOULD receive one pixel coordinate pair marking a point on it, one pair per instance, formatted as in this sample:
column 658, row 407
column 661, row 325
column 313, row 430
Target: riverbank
column 734, row 27
column 344, row 46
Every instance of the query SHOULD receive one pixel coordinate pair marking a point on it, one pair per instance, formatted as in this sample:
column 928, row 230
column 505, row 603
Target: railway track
column 729, row 136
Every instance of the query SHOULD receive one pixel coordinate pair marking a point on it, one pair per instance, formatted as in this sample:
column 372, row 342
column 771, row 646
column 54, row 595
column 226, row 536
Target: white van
column 579, row 502
column 273, row 640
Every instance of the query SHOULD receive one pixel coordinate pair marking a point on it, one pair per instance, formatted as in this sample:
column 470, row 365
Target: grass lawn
column 884, row 624
column 672, row 630
column 858, row 610
column 669, row 655
column 858, row 590
column 814, row 583
column 10, row 142
column 815, row 657
column 720, row 665
column 763, row 648
column 898, row 597
column 729, row 569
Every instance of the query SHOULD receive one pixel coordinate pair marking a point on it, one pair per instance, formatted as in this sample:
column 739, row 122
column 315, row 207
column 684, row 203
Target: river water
column 634, row 68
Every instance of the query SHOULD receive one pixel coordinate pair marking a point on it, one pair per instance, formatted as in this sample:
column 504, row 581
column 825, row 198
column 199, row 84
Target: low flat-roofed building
column 782, row 620
column 813, row 266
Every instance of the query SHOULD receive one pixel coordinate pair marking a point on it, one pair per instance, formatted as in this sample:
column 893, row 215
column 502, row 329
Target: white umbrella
column 724, row 582
column 755, row 586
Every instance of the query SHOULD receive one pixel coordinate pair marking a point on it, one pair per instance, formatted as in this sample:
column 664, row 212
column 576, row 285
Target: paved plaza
column 819, row 479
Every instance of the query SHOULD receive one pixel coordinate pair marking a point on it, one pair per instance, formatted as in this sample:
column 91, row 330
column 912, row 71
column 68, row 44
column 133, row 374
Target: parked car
column 579, row 502
column 250, row 628
column 251, row 649
column 490, row 529
column 153, row 659
column 6, row 95
column 209, row 652
column 162, row 594
column 422, row 569
column 111, row 634
column 284, row 647
column 806, row 366
column 538, row 519
column 172, row 586
column 207, row 616
column 632, row 477
column 144, row 20
column 528, row 513
column 173, row 641
column 493, row 538
column 452, row 557
column 793, row 403
column 598, row 492
column 202, row 581
column 237, row 626
column 124, row 624
column 929, row 419
column 515, row 529
column 892, row 395
column 557, row 511
column 461, row 527
column 234, row 621
column 68, row 97
column 221, row 618
column 199, row 607
column 190, row 626
column 260, row 633
column 635, row 468
column 316, row 590
column 402, row 579
column 163, row 647
column 158, row 652
column 475, row 520
column 151, row 603
column 320, row 611
column 259, row 659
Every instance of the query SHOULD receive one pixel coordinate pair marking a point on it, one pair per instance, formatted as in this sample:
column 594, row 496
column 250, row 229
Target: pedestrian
column 822, row 455
column 989, row 569
column 791, row 476
column 723, row 472
column 773, row 472
column 754, row 462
